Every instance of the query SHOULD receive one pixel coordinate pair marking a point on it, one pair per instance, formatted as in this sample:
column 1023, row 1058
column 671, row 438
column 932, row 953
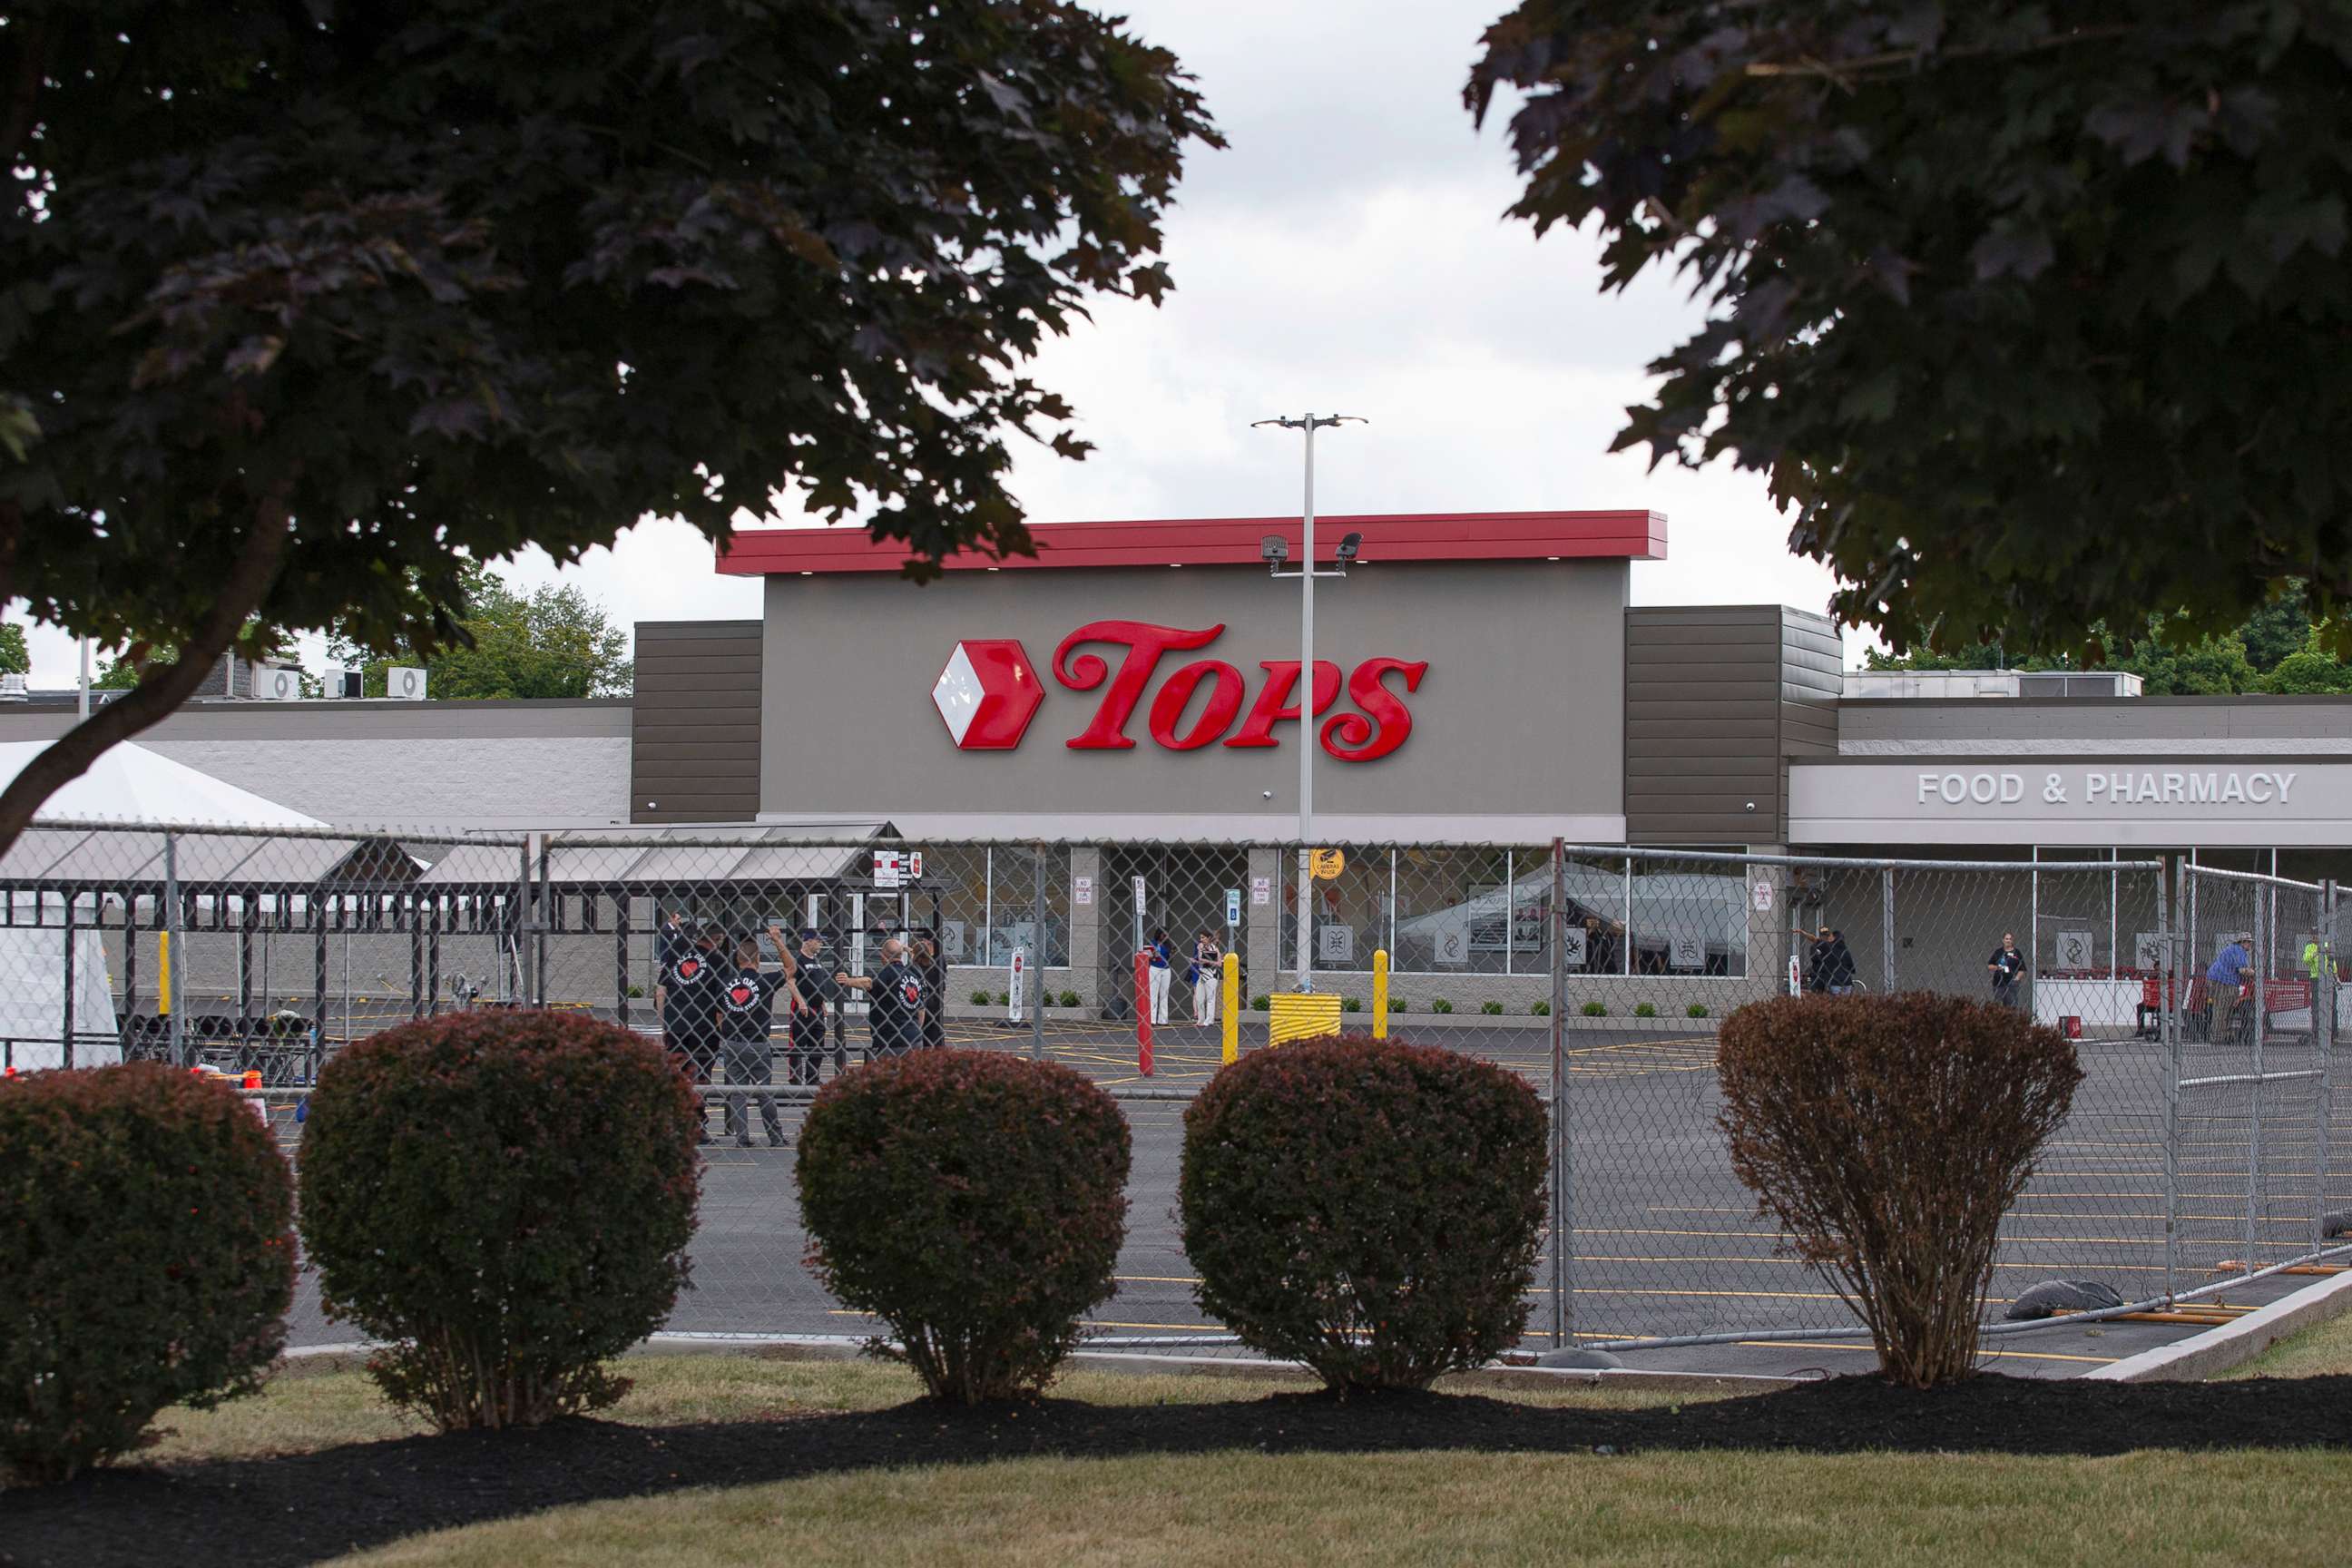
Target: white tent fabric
column 131, row 784
column 32, row 1005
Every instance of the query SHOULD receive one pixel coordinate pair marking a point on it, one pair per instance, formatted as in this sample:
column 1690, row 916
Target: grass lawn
column 1243, row 1510
column 2320, row 1351
column 1240, row 1508
column 304, row 1410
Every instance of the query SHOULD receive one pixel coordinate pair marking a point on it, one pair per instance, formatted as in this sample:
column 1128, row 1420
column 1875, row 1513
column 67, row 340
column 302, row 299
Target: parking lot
column 1664, row 1241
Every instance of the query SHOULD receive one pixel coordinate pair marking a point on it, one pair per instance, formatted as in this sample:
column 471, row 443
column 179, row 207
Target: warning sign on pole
column 1018, row 994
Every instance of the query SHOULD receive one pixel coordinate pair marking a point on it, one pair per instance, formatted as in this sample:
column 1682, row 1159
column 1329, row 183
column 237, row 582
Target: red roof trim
column 1230, row 541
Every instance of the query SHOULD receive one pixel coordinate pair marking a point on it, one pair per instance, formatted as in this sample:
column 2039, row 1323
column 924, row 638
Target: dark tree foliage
column 2035, row 313
column 307, row 305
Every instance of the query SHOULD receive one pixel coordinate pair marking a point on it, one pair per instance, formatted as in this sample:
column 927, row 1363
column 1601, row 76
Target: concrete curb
column 2234, row 1344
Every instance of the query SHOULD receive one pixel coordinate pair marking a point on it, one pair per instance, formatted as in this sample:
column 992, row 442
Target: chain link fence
column 2202, row 1146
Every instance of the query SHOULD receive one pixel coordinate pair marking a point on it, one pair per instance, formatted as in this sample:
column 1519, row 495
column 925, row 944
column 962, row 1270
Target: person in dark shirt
column 686, row 996
column 894, row 998
column 747, row 1000
column 2005, row 965
column 935, row 993
column 1817, row 954
column 814, row 980
column 1837, row 965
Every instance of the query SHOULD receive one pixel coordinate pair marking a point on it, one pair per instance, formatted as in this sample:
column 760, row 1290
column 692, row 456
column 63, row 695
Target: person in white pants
column 1207, row 977
column 1162, row 957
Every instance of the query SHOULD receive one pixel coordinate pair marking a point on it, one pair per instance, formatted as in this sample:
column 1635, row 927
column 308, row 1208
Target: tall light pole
column 1306, row 574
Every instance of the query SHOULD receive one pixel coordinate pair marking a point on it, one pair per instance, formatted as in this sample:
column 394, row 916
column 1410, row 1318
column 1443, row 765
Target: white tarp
column 32, row 993
column 131, row 784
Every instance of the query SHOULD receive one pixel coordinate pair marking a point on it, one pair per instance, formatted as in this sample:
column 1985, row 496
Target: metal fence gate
column 2203, row 1144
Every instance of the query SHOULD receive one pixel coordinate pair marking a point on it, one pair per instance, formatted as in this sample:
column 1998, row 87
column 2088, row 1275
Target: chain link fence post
column 2171, row 996
column 2324, row 991
column 1886, row 929
column 173, row 936
column 1562, row 1219
column 1037, row 958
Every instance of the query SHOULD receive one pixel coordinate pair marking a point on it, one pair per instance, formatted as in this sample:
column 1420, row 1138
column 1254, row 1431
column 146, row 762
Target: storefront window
column 1688, row 917
column 1452, row 911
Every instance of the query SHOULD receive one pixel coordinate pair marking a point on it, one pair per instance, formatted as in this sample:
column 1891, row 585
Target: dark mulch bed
column 302, row 1507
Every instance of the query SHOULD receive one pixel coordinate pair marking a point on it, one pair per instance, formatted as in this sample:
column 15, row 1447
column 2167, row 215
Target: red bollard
column 1143, row 1014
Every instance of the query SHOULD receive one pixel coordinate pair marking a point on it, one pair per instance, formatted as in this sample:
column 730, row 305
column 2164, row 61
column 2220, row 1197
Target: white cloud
column 1348, row 253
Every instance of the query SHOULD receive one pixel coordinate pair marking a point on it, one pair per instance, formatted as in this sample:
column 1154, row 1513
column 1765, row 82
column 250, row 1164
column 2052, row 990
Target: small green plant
column 1005, row 998
column 1399, row 1005
column 1541, row 1009
column 1645, row 1010
column 1697, row 1010
column 980, row 998
column 1350, row 1004
column 1069, row 998
column 1595, row 1010
column 1261, row 1001
column 635, row 992
column 1441, row 1005
column 1492, row 1009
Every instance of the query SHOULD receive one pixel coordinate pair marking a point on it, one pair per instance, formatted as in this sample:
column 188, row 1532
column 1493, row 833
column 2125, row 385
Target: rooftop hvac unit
column 348, row 684
column 278, row 684
column 404, row 681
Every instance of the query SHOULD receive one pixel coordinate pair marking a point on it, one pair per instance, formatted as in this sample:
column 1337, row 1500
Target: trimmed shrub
column 1696, row 1010
column 1069, row 998
column 1541, row 1009
column 146, row 1259
column 1888, row 1135
column 1441, row 1005
column 506, row 1198
column 1261, row 1003
column 974, row 1202
column 1399, row 1005
column 1645, row 1009
column 980, row 998
column 1595, row 1010
column 1351, row 1004
column 1370, row 1208
column 1005, row 998
column 1492, row 1009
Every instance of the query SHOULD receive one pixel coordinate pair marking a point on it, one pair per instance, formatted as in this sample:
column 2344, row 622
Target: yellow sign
column 1326, row 863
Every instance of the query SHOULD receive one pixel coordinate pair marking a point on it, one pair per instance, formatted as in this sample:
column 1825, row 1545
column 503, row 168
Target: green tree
column 2035, row 313
column 306, row 306
column 16, row 659
column 550, row 642
column 2311, row 669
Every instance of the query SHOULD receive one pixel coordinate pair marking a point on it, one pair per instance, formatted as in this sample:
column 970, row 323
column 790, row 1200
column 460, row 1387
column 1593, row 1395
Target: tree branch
column 161, row 687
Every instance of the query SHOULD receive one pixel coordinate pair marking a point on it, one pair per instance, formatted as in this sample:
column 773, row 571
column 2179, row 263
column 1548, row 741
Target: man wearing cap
column 686, row 996
column 818, row 995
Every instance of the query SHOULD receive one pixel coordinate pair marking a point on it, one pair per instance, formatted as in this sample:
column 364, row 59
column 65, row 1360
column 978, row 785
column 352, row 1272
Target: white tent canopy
column 131, row 784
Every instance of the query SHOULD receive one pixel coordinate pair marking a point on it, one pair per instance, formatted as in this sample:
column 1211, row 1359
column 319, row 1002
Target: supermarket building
column 1482, row 681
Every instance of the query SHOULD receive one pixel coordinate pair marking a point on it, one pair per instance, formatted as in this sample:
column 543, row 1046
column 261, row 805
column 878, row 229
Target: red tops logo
column 988, row 692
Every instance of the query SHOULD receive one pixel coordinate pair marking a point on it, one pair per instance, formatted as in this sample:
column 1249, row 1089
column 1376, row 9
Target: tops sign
column 990, row 692
column 2104, row 786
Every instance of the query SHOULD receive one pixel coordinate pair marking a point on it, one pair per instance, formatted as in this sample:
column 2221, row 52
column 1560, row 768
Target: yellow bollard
column 1230, row 1012
column 1381, row 995
column 164, row 974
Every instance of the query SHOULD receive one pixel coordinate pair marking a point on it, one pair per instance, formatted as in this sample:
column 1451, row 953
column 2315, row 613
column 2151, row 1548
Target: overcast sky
column 1347, row 252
